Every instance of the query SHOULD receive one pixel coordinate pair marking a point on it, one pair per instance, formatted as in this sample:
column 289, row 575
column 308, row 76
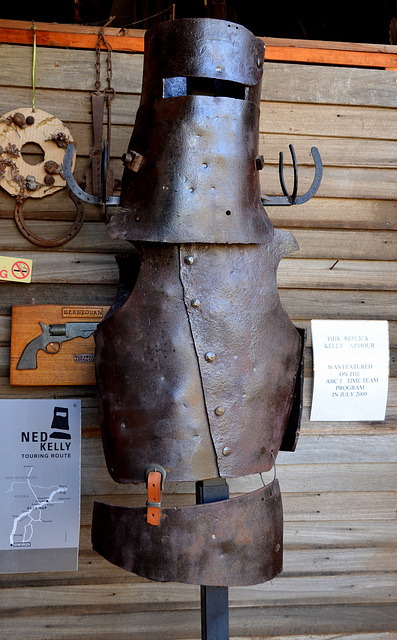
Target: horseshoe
column 43, row 242
column 288, row 199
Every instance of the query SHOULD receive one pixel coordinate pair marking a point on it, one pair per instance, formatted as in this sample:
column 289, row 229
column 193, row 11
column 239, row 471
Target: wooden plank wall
column 338, row 488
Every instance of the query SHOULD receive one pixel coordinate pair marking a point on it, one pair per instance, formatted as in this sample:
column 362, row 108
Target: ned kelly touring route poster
column 39, row 485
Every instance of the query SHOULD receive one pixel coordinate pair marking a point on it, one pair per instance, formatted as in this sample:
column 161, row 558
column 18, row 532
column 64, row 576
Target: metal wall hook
column 288, row 199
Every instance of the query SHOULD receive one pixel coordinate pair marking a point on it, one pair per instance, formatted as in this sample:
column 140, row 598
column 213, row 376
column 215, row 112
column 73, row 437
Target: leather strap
column 153, row 503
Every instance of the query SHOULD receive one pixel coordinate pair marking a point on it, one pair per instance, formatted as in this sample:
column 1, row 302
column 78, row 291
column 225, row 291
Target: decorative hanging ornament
column 21, row 127
column 24, row 126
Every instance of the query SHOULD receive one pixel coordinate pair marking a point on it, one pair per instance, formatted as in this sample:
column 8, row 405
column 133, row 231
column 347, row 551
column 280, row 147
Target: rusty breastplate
column 198, row 365
column 200, row 378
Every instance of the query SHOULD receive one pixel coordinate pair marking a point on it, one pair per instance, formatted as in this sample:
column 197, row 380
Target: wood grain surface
column 339, row 486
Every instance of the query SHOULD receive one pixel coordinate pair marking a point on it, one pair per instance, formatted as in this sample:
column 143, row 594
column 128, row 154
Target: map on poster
column 39, row 485
column 351, row 369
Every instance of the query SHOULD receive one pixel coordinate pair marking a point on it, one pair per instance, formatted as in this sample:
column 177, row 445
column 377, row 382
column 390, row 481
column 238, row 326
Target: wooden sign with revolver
column 54, row 344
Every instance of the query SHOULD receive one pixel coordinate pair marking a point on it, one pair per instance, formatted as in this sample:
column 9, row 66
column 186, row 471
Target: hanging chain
column 109, row 90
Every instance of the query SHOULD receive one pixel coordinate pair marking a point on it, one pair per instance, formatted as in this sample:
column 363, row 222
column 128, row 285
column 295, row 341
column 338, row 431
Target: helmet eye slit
column 189, row 86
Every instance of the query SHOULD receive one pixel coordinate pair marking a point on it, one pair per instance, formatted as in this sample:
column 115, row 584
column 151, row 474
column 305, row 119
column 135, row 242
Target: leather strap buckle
column 155, row 476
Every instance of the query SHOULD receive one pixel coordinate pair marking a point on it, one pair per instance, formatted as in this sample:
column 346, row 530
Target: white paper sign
column 39, row 485
column 351, row 369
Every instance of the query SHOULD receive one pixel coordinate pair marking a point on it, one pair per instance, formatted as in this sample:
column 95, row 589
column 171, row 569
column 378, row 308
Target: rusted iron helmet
column 192, row 164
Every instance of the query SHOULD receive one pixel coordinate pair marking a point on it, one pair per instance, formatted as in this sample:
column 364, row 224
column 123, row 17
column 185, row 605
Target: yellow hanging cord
column 34, row 65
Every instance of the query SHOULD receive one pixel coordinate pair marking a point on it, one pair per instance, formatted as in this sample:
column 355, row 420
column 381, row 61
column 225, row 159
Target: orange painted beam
column 72, row 40
column 132, row 41
column 331, row 57
column 69, row 35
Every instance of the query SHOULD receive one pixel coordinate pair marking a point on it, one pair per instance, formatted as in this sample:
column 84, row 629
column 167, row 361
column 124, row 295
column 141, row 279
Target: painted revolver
column 54, row 335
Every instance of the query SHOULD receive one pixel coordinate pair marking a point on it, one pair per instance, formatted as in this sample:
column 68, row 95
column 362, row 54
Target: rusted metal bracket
column 293, row 198
column 46, row 242
column 78, row 191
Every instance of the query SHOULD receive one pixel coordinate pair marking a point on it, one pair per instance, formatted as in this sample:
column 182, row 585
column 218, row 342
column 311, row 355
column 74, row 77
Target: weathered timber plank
column 335, row 213
column 342, row 449
column 5, row 361
column 90, row 420
column 311, row 450
column 57, row 207
column 360, row 152
column 341, row 534
column 341, row 506
column 348, row 245
column 309, row 428
column 346, row 636
column 349, row 305
column 75, row 69
column 5, row 330
column 385, row 427
column 337, row 274
column 328, row 85
column 79, row 267
column 50, row 293
column 69, row 106
column 300, row 590
column 293, row 478
column 302, row 478
column 185, row 624
column 92, row 237
column 330, row 213
column 367, row 183
column 90, row 423
column 313, row 243
column 71, row 268
column 19, row 393
column 328, row 120
column 340, row 619
column 276, row 117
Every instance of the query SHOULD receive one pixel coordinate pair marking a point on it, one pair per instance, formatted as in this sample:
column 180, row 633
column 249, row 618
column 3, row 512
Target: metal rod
column 214, row 600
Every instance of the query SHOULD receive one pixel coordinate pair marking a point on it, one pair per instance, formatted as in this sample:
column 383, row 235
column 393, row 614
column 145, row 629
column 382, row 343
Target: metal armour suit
column 198, row 365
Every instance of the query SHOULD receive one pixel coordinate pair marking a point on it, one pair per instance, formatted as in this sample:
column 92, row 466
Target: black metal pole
column 214, row 600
